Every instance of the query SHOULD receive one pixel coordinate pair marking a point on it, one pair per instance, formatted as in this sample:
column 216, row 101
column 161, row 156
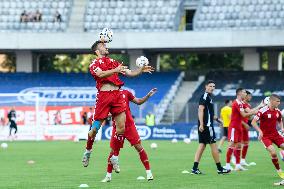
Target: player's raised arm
column 140, row 101
column 144, row 69
column 107, row 73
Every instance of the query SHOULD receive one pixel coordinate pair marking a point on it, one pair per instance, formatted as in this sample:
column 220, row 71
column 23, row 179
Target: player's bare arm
column 140, row 101
column 107, row 73
column 200, row 117
column 247, row 114
column 254, row 110
column 255, row 126
column 144, row 69
column 219, row 120
column 245, row 125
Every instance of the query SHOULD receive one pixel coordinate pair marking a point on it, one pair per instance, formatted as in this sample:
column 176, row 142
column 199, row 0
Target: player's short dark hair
column 248, row 93
column 239, row 90
column 209, row 82
column 275, row 96
column 95, row 45
column 227, row 101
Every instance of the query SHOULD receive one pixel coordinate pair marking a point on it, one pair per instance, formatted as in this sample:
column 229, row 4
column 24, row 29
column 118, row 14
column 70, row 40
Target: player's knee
column 238, row 145
column 273, row 154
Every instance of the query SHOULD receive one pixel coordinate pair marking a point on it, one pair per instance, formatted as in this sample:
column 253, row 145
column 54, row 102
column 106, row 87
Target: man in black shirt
column 12, row 121
column 206, row 131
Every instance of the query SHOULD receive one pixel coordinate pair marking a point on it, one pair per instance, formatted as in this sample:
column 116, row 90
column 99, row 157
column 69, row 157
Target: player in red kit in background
column 269, row 116
column 235, row 128
column 245, row 130
column 131, row 135
column 109, row 97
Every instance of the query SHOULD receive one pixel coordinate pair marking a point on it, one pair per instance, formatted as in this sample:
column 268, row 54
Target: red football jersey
column 246, row 105
column 236, row 117
column 104, row 64
column 128, row 96
column 268, row 120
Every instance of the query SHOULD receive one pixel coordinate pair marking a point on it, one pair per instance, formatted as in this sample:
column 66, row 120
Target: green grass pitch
column 58, row 165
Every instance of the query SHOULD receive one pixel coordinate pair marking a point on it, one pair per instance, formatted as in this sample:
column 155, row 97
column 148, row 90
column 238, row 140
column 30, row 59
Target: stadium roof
column 161, row 41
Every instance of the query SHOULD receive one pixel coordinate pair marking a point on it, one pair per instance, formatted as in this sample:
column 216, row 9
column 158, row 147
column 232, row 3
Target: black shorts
column 225, row 131
column 207, row 136
column 13, row 124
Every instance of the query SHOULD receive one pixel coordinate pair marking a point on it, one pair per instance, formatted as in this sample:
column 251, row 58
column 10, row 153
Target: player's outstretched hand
column 148, row 69
column 121, row 69
column 152, row 92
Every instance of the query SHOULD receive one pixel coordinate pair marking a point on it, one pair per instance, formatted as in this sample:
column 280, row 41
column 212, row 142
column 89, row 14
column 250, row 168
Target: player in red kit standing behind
column 109, row 97
column 131, row 135
column 269, row 116
column 245, row 130
column 235, row 129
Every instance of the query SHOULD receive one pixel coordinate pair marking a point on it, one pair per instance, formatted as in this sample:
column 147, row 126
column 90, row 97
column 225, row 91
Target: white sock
column 148, row 172
column 114, row 157
column 238, row 165
column 228, row 164
column 108, row 175
column 243, row 160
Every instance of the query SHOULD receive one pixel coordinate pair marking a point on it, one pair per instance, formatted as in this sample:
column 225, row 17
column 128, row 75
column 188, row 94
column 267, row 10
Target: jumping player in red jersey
column 131, row 135
column 235, row 128
column 109, row 98
column 269, row 116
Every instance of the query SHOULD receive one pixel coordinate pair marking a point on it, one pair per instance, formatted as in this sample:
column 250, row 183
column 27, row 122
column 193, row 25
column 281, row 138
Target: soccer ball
column 106, row 35
column 266, row 100
column 4, row 145
column 281, row 153
column 142, row 61
column 154, row 145
column 186, row 140
column 174, row 140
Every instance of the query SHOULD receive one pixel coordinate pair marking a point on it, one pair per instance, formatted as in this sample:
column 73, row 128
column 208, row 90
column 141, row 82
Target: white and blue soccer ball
column 142, row 61
column 106, row 35
column 266, row 101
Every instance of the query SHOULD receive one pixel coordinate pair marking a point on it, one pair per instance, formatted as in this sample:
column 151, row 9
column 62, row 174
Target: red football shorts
column 130, row 134
column 269, row 140
column 245, row 134
column 234, row 135
column 109, row 102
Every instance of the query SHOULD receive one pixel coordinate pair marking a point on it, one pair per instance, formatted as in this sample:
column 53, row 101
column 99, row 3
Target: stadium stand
column 10, row 14
column 260, row 83
column 53, row 85
column 132, row 15
column 239, row 15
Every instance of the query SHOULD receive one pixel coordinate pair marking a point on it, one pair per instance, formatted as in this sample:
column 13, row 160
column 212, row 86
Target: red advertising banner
column 48, row 115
